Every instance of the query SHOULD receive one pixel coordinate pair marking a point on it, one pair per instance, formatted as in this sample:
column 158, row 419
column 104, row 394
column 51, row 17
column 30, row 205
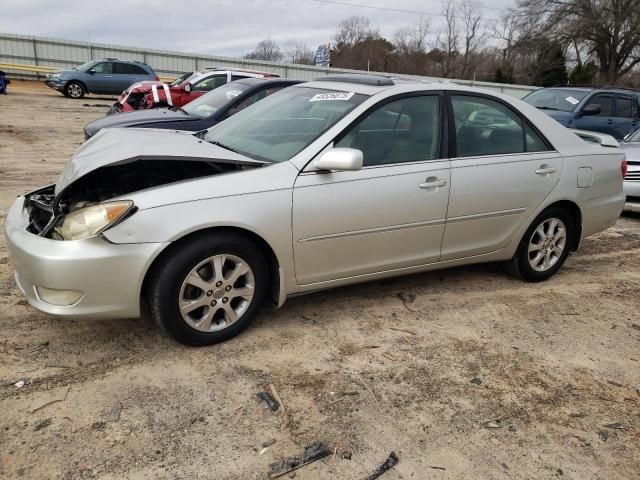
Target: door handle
column 545, row 170
column 433, row 183
column 108, row 76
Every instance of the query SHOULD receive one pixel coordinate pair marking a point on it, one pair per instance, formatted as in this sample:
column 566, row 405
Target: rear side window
column 624, row 107
column 129, row 69
column 605, row 102
column 485, row 127
column 404, row 130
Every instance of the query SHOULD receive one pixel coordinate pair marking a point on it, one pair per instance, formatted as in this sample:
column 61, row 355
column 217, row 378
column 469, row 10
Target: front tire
column 74, row 90
column 209, row 289
column 545, row 246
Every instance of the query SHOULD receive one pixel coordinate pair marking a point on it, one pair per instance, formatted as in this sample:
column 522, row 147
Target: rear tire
column 74, row 90
column 209, row 289
column 545, row 246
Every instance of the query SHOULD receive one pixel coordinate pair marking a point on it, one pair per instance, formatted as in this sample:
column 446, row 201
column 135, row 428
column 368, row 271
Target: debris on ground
column 275, row 394
column 492, row 424
column 346, row 455
column 387, row 465
column 615, row 426
column 59, row 396
column 603, row 435
column 267, row 397
column 436, row 467
column 476, row 381
column 114, row 413
column 19, row 384
column 313, row 452
column 268, row 443
column 41, row 424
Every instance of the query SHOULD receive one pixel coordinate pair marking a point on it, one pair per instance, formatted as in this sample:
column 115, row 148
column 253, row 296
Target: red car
column 188, row 87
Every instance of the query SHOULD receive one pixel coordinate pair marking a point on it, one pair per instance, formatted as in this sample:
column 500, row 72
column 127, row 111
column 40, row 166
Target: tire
column 554, row 248
column 74, row 90
column 198, row 277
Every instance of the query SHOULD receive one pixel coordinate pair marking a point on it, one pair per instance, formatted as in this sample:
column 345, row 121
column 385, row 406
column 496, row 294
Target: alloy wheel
column 216, row 293
column 75, row 90
column 547, row 244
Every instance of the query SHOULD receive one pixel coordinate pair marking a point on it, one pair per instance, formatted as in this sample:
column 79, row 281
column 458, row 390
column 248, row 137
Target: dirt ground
column 554, row 366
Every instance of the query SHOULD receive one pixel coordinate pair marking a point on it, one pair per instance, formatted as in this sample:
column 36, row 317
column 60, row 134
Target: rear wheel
column 545, row 246
column 209, row 289
column 74, row 90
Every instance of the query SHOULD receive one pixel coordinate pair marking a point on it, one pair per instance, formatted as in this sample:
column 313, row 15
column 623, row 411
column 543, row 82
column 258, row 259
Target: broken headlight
column 91, row 221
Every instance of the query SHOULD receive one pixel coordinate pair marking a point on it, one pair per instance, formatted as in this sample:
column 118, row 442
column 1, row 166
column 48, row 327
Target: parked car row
column 308, row 186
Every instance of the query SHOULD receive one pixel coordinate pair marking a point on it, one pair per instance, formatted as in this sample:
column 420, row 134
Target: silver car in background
column 328, row 183
column 631, row 146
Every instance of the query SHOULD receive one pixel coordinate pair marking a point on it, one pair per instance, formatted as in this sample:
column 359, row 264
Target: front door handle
column 433, row 182
column 545, row 170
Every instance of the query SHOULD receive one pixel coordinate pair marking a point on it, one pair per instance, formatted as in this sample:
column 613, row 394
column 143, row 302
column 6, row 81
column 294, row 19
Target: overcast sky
column 220, row 27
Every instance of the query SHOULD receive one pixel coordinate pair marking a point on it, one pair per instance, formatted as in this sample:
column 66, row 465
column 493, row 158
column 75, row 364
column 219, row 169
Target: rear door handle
column 545, row 170
column 435, row 183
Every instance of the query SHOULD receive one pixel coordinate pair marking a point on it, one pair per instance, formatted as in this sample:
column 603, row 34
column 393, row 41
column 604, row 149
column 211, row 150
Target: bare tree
column 267, row 49
column 610, row 28
column 297, row 52
column 448, row 39
column 473, row 34
column 354, row 30
column 412, row 39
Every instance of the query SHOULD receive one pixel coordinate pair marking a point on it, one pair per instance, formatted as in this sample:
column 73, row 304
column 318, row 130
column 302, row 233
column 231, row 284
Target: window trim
column 444, row 129
column 523, row 121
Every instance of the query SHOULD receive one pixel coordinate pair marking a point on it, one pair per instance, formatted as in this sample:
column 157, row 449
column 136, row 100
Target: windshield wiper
column 548, row 108
column 226, row 147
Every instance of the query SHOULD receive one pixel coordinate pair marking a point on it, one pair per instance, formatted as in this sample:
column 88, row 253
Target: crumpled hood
column 118, row 145
column 138, row 117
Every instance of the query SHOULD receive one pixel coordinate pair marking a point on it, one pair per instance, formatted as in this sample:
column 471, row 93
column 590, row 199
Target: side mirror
column 592, row 109
column 187, row 87
column 91, row 72
column 339, row 159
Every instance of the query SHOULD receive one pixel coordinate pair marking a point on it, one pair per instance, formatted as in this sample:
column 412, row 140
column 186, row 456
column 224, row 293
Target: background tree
column 583, row 74
column 267, row 49
column 297, row 52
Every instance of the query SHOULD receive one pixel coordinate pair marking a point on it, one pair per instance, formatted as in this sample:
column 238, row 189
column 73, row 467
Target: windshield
column 562, row 99
column 277, row 128
column 85, row 66
column 208, row 104
column 182, row 78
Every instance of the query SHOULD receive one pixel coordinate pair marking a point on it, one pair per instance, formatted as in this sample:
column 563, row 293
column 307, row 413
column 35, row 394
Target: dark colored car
column 105, row 76
column 609, row 110
column 203, row 112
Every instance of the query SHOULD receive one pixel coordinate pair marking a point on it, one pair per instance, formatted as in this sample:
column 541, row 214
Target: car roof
column 585, row 88
column 259, row 81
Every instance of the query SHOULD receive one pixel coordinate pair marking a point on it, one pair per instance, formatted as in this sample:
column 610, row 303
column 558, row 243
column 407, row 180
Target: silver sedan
column 332, row 182
column 631, row 146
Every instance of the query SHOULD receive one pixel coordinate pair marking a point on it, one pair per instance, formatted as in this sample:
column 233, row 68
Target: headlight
column 91, row 221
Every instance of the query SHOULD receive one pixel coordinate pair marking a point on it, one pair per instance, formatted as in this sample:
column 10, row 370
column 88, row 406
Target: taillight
column 624, row 167
column 157, row 78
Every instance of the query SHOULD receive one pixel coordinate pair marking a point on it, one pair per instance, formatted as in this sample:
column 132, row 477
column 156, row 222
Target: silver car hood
column 124, row 145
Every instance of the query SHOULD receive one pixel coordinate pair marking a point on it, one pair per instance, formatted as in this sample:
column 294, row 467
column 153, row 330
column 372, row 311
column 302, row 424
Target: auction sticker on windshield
column 321, row 97
column 572, row 100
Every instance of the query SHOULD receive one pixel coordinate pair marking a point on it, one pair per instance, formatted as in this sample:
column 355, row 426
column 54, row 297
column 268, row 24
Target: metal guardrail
column 38, row 69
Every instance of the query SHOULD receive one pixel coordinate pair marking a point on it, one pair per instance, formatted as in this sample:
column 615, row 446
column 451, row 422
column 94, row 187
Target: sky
column 221, row 27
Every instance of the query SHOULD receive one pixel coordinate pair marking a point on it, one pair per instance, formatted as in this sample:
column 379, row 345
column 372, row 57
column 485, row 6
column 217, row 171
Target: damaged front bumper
column 88, row 279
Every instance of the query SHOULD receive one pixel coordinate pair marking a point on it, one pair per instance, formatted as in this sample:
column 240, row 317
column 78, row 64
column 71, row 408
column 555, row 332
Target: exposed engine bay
column 46, row 210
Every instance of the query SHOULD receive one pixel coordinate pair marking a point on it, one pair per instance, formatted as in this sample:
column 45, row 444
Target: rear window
column 129, row 69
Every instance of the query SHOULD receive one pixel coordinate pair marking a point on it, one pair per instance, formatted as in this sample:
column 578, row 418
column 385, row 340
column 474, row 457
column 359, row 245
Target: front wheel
column 209, row 289
column 545, row 246
column 74, row 90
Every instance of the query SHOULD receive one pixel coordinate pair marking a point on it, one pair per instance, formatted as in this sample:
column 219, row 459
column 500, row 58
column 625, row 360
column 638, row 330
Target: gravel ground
column 464, row 373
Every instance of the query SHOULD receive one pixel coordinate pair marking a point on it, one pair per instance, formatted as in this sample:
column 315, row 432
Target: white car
column 323, row 184
column 631, row 146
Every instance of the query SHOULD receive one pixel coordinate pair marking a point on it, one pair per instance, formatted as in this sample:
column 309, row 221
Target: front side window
column 210, row 83
column 104, row 67
column 606, row 105
column 280, row 126
column 404, row 130
column 485, row 127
